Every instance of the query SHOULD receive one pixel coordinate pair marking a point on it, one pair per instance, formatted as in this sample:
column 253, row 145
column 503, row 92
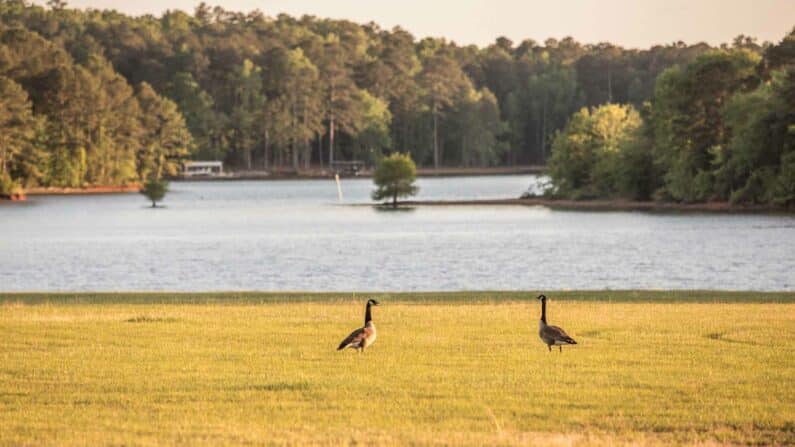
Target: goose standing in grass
column 551, row 335
column 364, row 336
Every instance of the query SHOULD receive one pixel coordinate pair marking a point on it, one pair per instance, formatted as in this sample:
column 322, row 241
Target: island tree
column 394, row 177
column 154, row 190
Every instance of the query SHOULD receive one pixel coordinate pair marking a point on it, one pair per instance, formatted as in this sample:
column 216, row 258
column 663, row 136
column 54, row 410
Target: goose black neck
column 367, row 316
column 544, row 310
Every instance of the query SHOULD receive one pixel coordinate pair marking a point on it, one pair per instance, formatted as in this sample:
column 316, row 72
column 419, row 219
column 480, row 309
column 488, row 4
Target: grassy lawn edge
column 253, row 297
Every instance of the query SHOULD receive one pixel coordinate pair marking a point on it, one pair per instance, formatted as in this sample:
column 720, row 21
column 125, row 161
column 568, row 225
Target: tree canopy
column 107, row 98
column 587, row 155
column 265, row 92
column 721, row 127
column 18, row 132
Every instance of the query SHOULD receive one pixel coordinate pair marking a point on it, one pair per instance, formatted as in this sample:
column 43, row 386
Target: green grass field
column 447, row 369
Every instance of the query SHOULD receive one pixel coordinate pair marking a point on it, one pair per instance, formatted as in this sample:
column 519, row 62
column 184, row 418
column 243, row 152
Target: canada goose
column 364, row 336
column 551, row 335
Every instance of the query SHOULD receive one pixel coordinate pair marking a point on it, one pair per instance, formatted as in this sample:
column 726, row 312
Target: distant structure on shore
column 203, row 169
column 353, row 167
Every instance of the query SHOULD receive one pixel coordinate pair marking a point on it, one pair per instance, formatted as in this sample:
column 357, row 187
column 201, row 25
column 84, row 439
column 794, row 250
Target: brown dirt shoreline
column 608, row 205
column 13, row 197
column 99, row 189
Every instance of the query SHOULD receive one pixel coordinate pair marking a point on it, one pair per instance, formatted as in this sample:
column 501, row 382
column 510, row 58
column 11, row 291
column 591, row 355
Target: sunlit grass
column 258, row 370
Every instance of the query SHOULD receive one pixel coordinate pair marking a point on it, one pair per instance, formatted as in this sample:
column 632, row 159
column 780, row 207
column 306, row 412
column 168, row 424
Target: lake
column 296, row 235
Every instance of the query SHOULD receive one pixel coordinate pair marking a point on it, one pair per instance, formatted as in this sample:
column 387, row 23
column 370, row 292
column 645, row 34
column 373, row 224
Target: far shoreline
column 552, row 203
column 604, row 205
column 324, row 174
column 312, row 174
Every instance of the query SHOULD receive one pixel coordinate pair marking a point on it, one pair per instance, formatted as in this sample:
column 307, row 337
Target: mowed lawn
column 460, row 369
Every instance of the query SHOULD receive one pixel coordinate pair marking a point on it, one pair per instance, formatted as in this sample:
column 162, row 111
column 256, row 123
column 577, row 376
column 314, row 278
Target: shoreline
column 13, row 197
column 99, row 189
column 606, row 205
column 555, row 204
column 312, row 174
column 325, row 174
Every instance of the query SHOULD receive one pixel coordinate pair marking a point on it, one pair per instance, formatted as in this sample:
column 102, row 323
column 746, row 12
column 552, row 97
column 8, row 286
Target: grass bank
column 480, row 297
column 448, row 368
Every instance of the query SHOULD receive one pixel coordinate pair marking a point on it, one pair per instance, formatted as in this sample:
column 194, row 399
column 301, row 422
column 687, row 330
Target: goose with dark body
column 551, row 335
column 363, row 337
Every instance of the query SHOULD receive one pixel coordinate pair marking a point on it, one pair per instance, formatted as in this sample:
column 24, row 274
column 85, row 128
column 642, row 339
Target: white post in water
column 339, row 186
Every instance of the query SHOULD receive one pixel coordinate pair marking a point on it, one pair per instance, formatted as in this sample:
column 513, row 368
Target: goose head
column 373, row 302
column 542, row 297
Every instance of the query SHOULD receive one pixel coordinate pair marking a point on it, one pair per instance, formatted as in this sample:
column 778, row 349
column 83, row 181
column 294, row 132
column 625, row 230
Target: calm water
column 293, row 235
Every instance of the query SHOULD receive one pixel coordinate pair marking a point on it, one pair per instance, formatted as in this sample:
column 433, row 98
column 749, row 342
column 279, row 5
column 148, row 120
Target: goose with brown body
column 551, row 335
column 363, row 337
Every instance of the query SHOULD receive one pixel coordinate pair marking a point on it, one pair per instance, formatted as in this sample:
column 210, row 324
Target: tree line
column 99, row 97
column 720, row 128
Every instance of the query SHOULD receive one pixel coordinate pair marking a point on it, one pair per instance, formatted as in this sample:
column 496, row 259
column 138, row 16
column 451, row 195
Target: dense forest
column 93, row 97
column 720, row 128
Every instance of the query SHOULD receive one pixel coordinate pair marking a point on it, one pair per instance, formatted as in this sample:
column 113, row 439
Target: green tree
column 196, row 106
column 112, row 133
column 394, row 177
column 688, row 121
column 779, row 56
column 549, row 99
column 18, row 129
column 165, row 141
column 301, row 106
column 442, row 79
column 155, row 190
column 91, row 128
column 340, row 90
column 476, row 129
column 603, row 74
column 499, row 69
column 69, row 110
column 587, row 153
column 389, row 77
column 372, row 137
column 755, row 166
column 637, row 176
column 247, row 99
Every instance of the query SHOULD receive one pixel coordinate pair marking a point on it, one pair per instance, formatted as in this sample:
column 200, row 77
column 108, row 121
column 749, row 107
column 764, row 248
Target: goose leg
column 549, row 347
column 561, row 349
